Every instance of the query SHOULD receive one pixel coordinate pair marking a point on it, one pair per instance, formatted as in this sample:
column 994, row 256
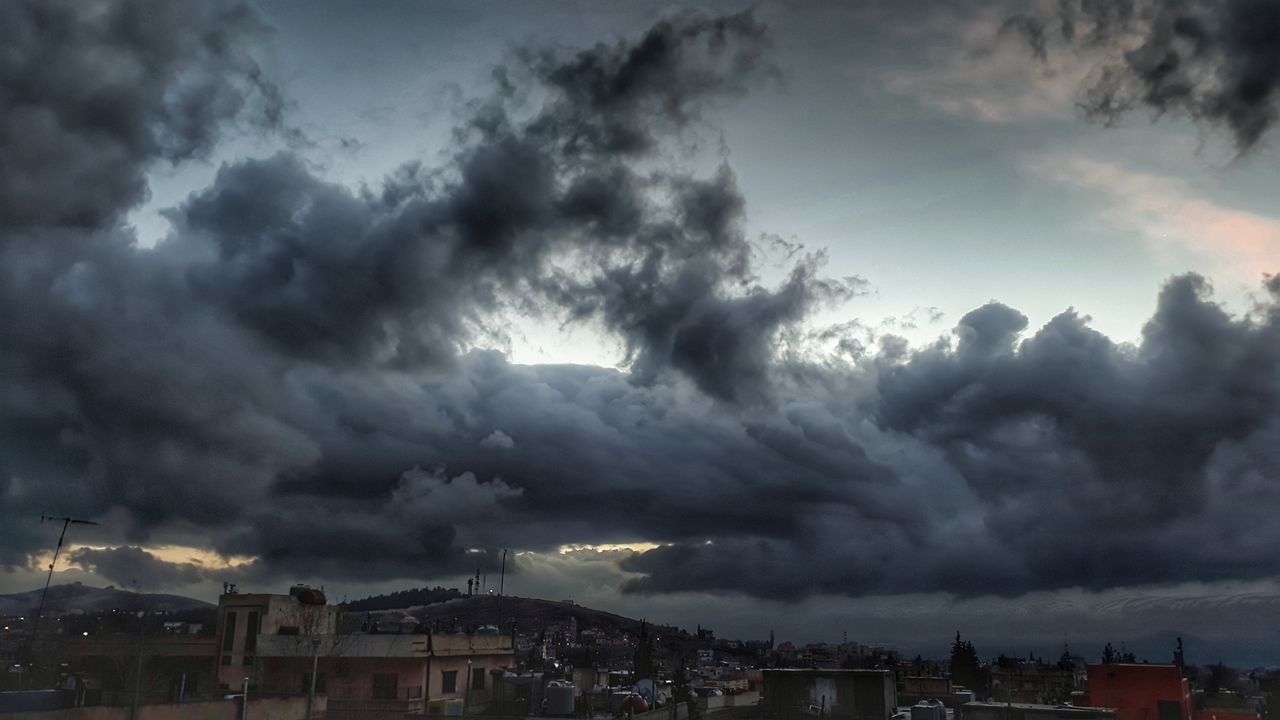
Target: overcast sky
column 797, row 316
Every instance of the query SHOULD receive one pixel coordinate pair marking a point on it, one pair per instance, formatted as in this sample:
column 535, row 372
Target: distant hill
column 404, row 599
column 75, row 597
column 526, row 613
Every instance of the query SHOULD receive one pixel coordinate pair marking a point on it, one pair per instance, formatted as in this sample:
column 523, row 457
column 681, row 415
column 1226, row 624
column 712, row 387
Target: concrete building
column 120, row 669
column 376, row 675
column 913, row 688
column 1140, row 692
column 843, row 694
column 274, row 641
column 243, row 618
column 1029, row 683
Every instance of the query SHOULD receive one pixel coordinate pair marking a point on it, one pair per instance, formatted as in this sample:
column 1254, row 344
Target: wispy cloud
column 986, row 71
column 1173, row 217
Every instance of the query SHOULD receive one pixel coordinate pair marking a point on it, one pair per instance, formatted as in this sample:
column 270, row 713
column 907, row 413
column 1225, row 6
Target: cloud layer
column 298, row 373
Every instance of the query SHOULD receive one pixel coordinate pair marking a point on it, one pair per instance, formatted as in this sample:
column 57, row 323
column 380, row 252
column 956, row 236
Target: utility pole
column 137, row 685
column 315, row 660
column 35, row 627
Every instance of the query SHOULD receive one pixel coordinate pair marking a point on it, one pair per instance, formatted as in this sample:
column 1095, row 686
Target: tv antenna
column 66, row 522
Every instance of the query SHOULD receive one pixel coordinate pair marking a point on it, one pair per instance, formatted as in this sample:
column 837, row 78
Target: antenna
column 66, row 522
column 503, row 577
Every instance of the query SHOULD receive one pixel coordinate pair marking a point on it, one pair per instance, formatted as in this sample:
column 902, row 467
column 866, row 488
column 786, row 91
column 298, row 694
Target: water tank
column 928, row 710
column 560, row 698
column 307, row 595
column 634, row 705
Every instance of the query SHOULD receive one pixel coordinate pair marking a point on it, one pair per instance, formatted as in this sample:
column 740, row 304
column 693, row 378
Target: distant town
column 103, row 654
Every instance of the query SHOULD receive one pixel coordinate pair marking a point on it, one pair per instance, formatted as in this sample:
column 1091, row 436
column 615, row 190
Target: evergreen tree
column 1109, row 656
column 965, row 667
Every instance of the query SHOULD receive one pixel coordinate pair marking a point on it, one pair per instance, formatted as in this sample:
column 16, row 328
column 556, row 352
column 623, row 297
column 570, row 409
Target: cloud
column 133, row 567
column 1208, row 61
column 93, row 94
column 299, row 374
column 1058, row 460
column 975, row 66
column 498, row 440
column 1170, row 215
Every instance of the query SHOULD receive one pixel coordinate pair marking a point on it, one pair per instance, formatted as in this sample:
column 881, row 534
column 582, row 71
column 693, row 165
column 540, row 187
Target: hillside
column 525, row 612
column 75, row 597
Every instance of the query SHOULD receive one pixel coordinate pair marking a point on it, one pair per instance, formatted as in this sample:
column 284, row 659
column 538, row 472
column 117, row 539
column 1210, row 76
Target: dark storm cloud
column 293, row 371
column 95, row 92
column 1210, row 61
column 133, row 567
column 1087, row 463
column 614, row 97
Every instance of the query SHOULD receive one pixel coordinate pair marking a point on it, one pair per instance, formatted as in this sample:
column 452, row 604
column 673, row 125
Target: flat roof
column 1039, row 708
column 828, row 671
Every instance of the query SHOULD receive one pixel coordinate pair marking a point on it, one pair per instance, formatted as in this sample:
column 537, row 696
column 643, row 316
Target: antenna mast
column 66, row 521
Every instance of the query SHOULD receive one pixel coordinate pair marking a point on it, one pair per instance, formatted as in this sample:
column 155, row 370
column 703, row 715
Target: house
column 1140, row 691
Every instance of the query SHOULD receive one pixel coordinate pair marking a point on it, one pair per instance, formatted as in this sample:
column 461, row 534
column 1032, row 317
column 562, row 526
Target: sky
column 785, row 316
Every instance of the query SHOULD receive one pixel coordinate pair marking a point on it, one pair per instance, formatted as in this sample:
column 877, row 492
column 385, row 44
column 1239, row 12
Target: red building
column 1141, row 692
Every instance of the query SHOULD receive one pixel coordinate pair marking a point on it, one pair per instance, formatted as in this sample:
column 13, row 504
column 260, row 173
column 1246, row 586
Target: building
column 272, row 643
column 1030, row 683
column 385, row 675
column 243, row 618
column 114, row 669
column 914, row 688
column 1140, row 692
column 1030, row 711
column 838, row 694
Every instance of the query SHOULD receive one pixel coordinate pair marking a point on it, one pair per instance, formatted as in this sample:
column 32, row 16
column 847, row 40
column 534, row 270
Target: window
column 229, row 633
column 477, row 679
column 384, row 686
column 226, row 659
column 306, row 683
column 251, row 632
column 449, row 681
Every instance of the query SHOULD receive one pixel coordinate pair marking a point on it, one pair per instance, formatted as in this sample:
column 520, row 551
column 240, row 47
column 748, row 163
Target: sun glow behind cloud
column 1173, row 218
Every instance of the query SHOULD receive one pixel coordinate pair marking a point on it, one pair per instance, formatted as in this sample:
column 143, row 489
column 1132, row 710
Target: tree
column 1109, row 656
column 965, row 668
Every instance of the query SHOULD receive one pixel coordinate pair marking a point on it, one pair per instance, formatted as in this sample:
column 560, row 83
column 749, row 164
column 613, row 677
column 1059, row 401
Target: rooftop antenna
column 66, row 522
column 502, row 578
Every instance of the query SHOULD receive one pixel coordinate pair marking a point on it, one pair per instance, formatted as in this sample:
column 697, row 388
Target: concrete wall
column 841, row 694
column 259, row 709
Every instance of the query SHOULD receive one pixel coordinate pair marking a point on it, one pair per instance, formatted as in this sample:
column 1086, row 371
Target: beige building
column 372, row 675
column 243, row 619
